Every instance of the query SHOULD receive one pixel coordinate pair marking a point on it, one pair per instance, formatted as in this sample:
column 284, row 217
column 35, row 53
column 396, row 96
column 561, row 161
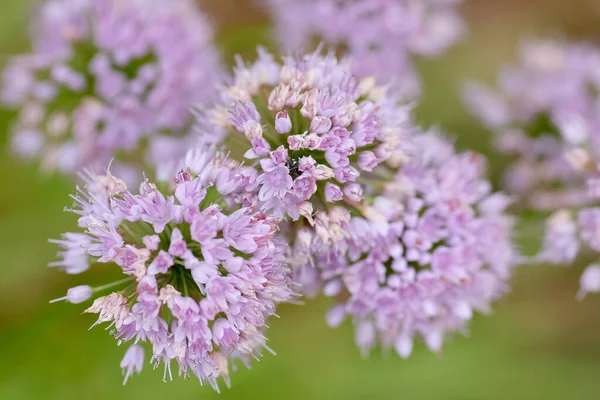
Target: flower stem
column 113, row 284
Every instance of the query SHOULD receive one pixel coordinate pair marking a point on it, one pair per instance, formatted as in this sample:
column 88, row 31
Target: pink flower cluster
column 317, row 132
column 105, row 75
column 433, row 248
column 545, row 106
column 380, row 37
column 203, row 271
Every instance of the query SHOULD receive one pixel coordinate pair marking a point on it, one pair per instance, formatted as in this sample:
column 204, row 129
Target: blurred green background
column 540, row 343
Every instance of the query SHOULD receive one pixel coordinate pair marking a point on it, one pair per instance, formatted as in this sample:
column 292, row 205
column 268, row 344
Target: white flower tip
column 404, row 346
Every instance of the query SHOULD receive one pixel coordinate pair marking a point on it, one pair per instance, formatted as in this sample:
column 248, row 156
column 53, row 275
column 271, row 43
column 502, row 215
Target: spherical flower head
column 106, row 76
column 545, row 106
column 434, row 248
column 314, row 131
column 381, row 37
column 203, row 272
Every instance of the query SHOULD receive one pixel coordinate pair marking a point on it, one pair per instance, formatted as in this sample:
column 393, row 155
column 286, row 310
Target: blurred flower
column 380, row 36
column 317, row 133
column 590, row 281
column 546, row 118
column 434, row 248
column 133, row 361
column 204, row 272
column 561, row 241
column 105, row 77
column 546, row 106
column 566, row 236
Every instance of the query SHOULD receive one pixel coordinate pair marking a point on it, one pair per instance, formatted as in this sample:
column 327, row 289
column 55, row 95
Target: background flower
column 381, row 37
column 107, row 77
column 546, row 105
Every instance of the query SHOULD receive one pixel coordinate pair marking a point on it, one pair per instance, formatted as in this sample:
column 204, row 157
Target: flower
column 318, row 135
column 545, row 117
column 203, row 270
column 380, row 37
column 77, row 294
column 590, row 281
column 104, row 78
column 419, row 262
column 545, row 107
column 133, row 361
column 561, row 241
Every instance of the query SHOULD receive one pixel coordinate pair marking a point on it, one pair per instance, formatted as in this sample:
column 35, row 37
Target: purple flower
column 418, row 262
column 77, row 294
column 310, row 123
column 133, row 361
column 74, row 259
column 275, row 183
column 561, row 242
column 544, row 109
column 333, row 192
column 590, row 281
column 283, row 124
column 123, row 84
column 216, row 269
column 380, row 37
column 589, row 224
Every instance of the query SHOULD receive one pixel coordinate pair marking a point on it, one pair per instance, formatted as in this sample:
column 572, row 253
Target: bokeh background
column 540, row 343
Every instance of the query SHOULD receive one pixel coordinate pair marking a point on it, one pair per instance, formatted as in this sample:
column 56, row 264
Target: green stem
column 113, row 284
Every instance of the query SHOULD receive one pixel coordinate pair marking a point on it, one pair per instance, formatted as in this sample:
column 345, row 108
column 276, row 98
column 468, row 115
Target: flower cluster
column 204, row 271
column 104, row 77
column 567, row 233
column 434, row 247
column 547, row 118
column 309, row 171
column 317, row 133
column 379, row 36
column 545, row 107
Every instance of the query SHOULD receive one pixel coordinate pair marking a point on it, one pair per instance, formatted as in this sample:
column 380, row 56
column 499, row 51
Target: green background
column 540, row 343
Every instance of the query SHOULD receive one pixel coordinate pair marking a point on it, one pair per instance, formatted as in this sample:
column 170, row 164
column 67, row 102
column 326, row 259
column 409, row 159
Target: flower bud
column 76, row 295
column 283, row 124
column 353, row 191
column 333, row 192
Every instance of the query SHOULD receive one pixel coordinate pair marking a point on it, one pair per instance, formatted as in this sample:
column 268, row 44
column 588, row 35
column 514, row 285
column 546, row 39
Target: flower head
column 421, row 260
column 106, row 75
column 315, row 133
column 203, row 271
column 380, row 37
column 546, row 106
column 545, row 117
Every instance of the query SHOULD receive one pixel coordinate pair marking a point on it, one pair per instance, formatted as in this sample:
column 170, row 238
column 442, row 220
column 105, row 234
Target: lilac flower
column 77, row 294
column 133, row 361
column 545, row 117
column 311, row 126
column 590, row 281
column 105, row 75
column 430, row 251
column 561, row 241
column 545, row 107
column 380, row 37
column 566, row 236
column 195, row 253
